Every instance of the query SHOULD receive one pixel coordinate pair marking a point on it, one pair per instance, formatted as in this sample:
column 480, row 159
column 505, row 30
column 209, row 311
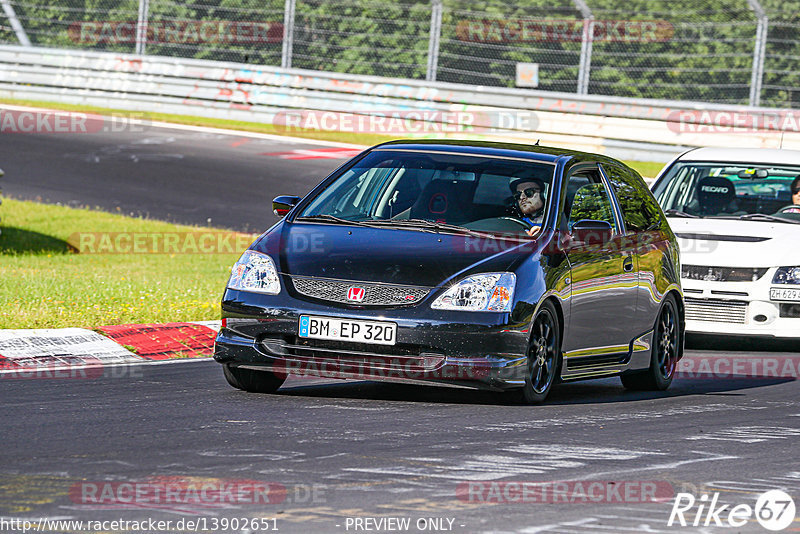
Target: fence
column 719, row 51
column 647, row 130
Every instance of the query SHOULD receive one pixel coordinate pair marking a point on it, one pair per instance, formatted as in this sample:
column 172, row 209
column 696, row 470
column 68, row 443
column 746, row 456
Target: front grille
column 374, row 294
column 790, row 310
column 716, row 311
column 333, row 346
column 722, row 274
column 401, row 356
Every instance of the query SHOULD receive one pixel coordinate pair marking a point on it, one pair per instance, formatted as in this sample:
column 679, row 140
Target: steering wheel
column 519, row 222
column 794, row 208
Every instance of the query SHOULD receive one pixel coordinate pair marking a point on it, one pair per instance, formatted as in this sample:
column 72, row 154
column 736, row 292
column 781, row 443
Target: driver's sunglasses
column 529, row 192
column 795, row 191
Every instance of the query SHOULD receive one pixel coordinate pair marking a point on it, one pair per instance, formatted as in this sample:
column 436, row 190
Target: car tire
column 544, row 356
column 664, row 353
column 252, row 380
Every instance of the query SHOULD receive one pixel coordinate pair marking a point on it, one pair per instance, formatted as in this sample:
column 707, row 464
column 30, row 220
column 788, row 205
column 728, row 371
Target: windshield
column 430, row 190
column 725, row 190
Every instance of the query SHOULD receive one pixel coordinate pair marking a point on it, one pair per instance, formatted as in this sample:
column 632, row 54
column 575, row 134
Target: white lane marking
column 204, row 129
column 116, row 365
column 637, row 528
column 585, row 420
column 744, row 487
column 213, row 325
column 580, row 453
column 342, row 407
column 669, row 465
column 267, row 455
column 748, row 434
column 545, row 528
column 523, row 460
column 68, row 347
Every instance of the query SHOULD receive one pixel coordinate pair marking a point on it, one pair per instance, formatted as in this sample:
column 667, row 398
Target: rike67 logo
column 774, row 510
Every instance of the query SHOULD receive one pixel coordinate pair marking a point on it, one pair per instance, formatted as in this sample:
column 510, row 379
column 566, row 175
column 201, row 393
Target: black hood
column 396, row 256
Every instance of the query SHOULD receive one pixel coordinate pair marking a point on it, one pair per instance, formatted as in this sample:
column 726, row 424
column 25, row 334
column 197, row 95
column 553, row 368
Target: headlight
column 481, row 292
column 255, row 272
column 787, row 275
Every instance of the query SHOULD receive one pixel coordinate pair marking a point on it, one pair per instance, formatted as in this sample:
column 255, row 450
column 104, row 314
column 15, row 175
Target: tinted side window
column 639, row 209
column 586, row 198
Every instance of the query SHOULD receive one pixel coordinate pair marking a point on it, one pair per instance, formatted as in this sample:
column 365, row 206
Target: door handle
column 627, row 264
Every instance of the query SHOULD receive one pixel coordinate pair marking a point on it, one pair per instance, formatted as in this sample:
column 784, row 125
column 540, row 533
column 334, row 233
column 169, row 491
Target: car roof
column 494, row 148
column 775, row 156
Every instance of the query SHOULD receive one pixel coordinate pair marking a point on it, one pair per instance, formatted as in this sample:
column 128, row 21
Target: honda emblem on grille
column 356, row 294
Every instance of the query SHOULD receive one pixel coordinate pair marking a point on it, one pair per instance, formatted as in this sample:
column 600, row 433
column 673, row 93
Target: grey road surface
column 174, row 442
column 339, row 451
column 180, row 176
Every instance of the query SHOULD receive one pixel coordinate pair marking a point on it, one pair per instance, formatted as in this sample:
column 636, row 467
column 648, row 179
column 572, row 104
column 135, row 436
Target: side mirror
column 592, row 232
column 283, row 205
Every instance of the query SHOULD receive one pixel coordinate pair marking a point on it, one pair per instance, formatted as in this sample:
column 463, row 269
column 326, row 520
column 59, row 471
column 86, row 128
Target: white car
column 736, row 215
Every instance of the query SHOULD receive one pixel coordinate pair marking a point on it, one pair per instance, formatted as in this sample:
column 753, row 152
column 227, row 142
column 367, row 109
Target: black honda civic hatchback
column 496, row 266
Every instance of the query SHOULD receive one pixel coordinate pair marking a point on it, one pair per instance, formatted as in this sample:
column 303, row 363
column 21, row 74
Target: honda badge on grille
column 355, row 294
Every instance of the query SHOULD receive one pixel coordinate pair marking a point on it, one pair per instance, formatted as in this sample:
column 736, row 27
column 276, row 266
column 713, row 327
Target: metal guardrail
column 628, row 128
column 1, row 200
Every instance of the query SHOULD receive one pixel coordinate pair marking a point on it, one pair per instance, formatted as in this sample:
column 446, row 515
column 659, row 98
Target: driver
column 529, row 197
column 795, row 207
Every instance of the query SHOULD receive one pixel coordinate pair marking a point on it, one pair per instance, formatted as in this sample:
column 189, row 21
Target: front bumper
column 459, row 349
column 739, row 309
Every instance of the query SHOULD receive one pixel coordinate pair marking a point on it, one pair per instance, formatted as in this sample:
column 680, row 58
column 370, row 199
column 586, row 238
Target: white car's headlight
column 481, row 292
column 787, row 275
column 255, row 272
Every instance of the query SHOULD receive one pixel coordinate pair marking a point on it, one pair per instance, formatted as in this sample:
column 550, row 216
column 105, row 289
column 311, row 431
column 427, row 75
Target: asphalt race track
column 334, row 452
column 176, row 175
column 366, row 449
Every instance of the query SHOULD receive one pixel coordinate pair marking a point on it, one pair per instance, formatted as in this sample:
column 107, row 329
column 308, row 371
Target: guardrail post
column 759, row 51
column 141, row 27
column 288, row 34
column 433, row 42
column 585, row 63
column 16, row 25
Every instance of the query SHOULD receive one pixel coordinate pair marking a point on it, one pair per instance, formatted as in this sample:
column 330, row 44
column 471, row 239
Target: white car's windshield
column 392, row 187
column 729, row 190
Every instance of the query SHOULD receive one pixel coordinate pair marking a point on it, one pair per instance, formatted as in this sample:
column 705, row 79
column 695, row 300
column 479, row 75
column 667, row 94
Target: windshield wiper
column 679, row 213
column 330, row 219
column 764, row 217
column 426, row 225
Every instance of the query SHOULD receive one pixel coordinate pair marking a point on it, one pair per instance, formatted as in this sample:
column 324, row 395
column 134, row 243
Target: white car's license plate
column 784, row 293
column 378, row 332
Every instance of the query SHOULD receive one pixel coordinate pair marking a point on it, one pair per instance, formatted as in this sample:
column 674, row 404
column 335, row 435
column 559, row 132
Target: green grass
column 648, row 169
column 45, row 284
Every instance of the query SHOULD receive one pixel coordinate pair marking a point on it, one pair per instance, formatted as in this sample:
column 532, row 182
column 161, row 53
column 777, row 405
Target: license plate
column 377, row 332
column 784, row 293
